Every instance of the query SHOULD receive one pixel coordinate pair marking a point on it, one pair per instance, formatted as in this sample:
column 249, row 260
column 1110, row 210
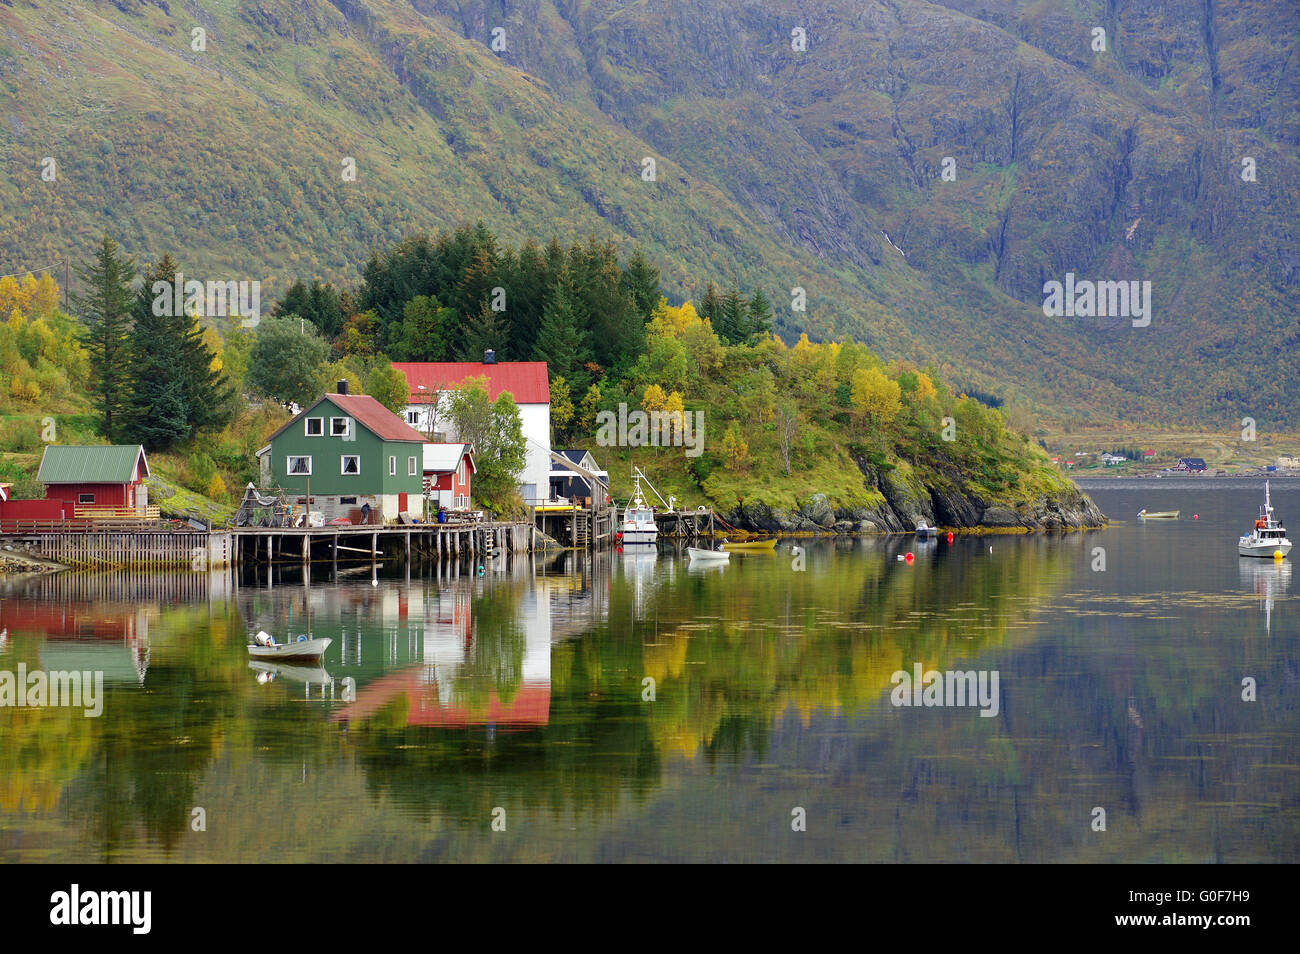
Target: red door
column 401, row 503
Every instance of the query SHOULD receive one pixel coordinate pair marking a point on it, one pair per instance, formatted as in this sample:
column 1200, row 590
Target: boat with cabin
column 638, row 525
column 1268, row 536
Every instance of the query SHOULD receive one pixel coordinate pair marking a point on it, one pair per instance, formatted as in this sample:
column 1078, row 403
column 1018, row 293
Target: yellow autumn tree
column 876, row 395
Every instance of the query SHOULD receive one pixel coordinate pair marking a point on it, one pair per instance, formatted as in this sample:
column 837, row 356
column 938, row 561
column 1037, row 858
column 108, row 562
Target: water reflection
column 622, row 700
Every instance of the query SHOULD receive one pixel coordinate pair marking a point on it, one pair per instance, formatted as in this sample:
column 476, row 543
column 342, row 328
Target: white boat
column 1159, row 514
column 264, row 646
column 638, row 520
column 1268, row 535
column 925, row 531
column 708, row 556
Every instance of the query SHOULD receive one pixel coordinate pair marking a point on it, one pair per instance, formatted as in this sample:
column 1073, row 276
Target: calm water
column 521, row 696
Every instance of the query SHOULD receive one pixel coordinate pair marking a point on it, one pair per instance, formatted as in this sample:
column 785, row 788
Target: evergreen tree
column 641, row 281
column 561, row 343
column 711, row 305
column 731, row 324
column 105, row 310
column 486, row 331
column 760, row 316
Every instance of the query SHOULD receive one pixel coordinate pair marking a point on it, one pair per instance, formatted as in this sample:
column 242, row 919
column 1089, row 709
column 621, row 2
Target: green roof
column 111, row 464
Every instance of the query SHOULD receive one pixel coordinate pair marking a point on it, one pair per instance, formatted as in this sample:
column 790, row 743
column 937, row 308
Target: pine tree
column 760, row 316
column 483, row 333
column 731, row 323
column 561, row 342
column 641, row 281
column 105, row 310
column 711, row 305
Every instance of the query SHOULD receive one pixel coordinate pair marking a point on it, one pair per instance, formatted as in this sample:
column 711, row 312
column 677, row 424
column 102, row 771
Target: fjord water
column 521, row 698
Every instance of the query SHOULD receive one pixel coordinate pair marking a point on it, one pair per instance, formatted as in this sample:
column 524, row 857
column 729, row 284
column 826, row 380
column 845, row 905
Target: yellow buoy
column 1278, row 554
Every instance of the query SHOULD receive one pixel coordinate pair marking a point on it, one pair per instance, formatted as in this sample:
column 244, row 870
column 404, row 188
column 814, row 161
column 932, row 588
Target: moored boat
column 1159, row 514
column 925, row 531
column 304, row 647
column 1267, row 537
column 752, row 545
column 638, row 520
column 708, row 556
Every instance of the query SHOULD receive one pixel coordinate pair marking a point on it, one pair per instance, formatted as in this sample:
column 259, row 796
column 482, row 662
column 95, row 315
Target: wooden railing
column 117, row 515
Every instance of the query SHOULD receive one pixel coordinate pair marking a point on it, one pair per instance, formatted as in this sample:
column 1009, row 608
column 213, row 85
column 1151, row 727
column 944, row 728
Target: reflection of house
column 525, row 381
column 572, row 485
column 112, row 638
column 448, row 469
column 457, row 682
column 351, row 451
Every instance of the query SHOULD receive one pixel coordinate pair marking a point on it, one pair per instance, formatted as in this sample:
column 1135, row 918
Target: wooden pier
column 217, row 549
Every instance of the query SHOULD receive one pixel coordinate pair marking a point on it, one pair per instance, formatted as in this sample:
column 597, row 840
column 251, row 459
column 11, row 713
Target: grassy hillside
column 819, row 169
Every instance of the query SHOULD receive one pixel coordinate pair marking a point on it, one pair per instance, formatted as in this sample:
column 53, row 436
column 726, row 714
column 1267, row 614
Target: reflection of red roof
column 525, row 380
column 531, row 705
column 103, row 621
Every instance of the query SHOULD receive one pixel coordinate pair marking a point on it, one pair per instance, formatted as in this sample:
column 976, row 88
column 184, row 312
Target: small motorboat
column 1158, row 514
column 264, row 646
column 925, row 531
column 752, row 545
column 708, row 556
column 1268, row 538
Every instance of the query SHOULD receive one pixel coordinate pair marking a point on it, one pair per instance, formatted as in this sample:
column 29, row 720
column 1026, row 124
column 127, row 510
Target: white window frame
column 81, row 498
column 392, row 465
column 412, row 417
column 343, row 470
column 307, row 427
column 410, row 467
column 288, row 465
column 347, row 427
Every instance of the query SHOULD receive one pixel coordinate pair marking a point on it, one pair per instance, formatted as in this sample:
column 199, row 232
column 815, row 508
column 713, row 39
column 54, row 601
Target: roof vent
column 343, row 386
column 489, row 356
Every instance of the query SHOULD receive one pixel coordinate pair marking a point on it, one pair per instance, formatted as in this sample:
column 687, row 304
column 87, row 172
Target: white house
column 527, row 383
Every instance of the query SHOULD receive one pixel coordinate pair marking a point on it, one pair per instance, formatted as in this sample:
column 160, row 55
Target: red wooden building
column 107, row 476
column 448, row 472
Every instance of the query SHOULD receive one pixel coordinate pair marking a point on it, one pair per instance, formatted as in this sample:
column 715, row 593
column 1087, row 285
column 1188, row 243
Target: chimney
column 489, row 356
column 343, row 386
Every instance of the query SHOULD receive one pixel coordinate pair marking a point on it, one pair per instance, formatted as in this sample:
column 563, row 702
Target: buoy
column 910, row 556
column 950, row 536
column 1196, row 516
column 1278, row 555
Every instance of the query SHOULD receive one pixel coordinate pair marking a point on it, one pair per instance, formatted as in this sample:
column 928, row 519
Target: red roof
column 525, row 380
column 367, row 412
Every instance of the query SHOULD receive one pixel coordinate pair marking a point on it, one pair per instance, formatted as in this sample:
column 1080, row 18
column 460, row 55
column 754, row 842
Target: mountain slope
column 774, row 168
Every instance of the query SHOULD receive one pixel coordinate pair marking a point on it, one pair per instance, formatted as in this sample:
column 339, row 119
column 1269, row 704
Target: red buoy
column 1196, row 516
column 950, row 536
column 910, row 556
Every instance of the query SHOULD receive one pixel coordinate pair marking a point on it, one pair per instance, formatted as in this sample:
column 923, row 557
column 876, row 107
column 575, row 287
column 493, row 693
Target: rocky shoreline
column 907, row 502
column 16, row 561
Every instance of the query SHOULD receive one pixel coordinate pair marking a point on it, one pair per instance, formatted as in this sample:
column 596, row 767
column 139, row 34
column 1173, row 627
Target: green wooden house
column 348, row 451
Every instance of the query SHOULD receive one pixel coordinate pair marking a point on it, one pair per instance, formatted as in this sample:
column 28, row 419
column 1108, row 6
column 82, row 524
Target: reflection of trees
column 729, row 653
column 494, row 663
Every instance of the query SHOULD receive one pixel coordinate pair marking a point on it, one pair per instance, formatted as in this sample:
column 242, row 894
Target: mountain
column 820, row 169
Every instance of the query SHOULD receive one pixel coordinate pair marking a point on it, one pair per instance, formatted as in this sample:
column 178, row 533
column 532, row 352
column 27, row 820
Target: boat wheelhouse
column 1268, row 537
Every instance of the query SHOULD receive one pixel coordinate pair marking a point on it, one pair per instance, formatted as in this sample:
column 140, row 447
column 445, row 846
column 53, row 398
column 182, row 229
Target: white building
column 527, row 383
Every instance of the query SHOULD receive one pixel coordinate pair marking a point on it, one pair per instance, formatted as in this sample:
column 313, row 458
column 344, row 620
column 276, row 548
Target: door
column 401, row 503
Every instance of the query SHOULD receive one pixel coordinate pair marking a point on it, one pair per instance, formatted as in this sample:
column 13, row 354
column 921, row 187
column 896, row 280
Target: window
column 347, row 500
column 299, row 466
column 410, row 467
column 315, row 427
column 392, row 466
column 460, row 471
column 412, row 417
column 340, row 426
column 85, row 498
column 350, row 464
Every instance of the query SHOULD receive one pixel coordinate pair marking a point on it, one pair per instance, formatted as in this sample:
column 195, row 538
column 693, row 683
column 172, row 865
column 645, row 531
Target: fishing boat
column 264, row 646
column 752, row 545
column 638, row 519
column 708, row 556
column 1159, row 514
column 925, row 531
column 1268, row 535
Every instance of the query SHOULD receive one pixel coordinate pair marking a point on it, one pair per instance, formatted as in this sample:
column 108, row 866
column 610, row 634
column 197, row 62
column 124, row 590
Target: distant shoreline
column 1181, row 480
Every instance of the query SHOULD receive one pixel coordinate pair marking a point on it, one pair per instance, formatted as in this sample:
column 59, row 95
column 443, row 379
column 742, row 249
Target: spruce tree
column 561, row 342
column 641, row 281
column 732, row 322
column 486, row 331
column 760, row 315
column 105, row 310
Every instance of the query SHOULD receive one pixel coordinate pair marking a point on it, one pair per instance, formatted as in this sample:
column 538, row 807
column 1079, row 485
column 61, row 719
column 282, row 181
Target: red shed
column 104, row 476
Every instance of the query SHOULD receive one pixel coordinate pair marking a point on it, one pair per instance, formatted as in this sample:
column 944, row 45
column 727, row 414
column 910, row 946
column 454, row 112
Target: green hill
column 819, row 169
